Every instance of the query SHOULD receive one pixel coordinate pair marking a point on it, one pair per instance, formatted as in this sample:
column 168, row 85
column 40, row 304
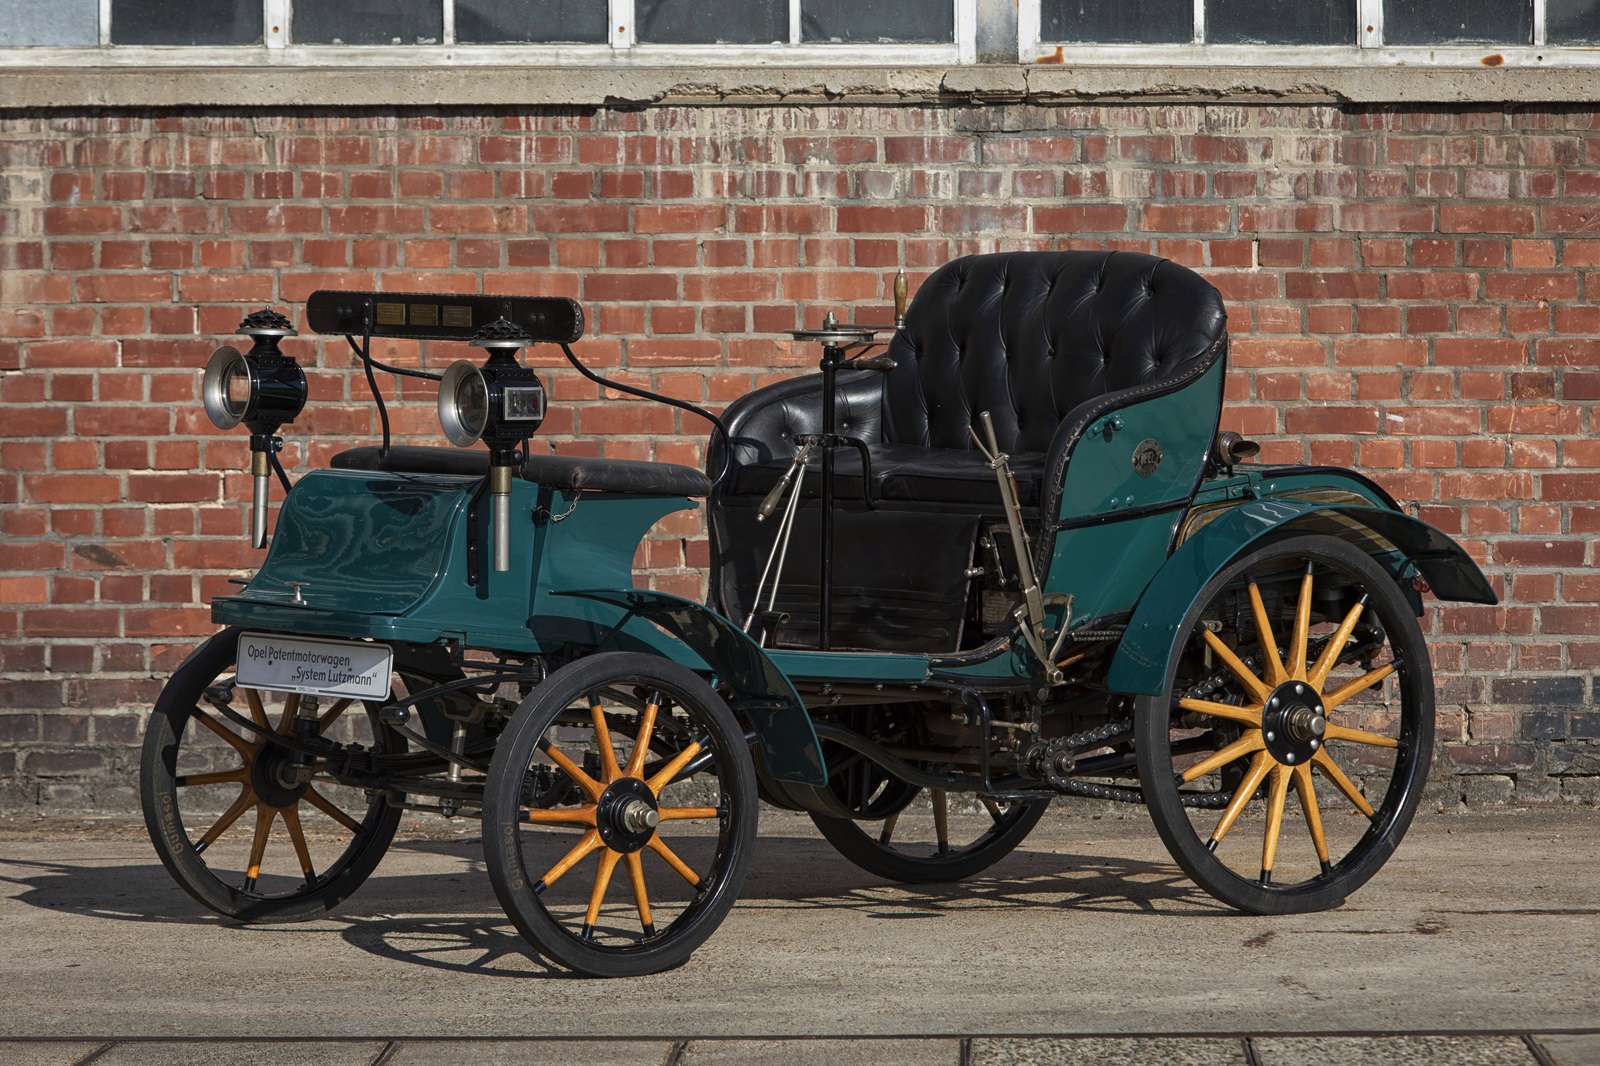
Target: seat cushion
column 568, row 472
column 957, row 477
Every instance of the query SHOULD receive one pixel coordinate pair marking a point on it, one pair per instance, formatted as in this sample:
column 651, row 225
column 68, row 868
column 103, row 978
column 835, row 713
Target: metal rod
column 831, row 355
column 258, row 513
column 500, row 516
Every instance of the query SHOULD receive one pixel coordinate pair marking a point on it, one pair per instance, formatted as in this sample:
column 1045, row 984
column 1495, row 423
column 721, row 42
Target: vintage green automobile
column 1011, row 557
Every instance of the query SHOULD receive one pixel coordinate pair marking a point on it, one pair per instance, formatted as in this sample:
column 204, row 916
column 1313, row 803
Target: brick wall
column 1410, row 293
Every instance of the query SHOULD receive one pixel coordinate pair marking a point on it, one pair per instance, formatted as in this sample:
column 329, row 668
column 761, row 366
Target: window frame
column 1367, row 51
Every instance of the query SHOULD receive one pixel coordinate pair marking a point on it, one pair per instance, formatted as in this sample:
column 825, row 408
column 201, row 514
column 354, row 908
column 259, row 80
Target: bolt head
column 1315, row 745
column 1272, row 736
column 1289, row 757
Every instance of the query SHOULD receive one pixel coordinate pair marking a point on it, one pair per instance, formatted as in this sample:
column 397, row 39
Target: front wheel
column 1301, row 665
column 609, row 758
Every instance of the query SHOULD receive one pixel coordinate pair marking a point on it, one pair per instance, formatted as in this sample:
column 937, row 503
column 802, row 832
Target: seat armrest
column 763, row 424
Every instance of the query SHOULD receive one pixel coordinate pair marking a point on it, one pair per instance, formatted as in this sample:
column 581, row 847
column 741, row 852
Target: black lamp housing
column 501, row 403
column 263, row 388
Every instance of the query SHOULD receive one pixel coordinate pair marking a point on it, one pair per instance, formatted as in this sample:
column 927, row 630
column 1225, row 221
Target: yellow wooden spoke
column 1361, row 684
column 1325, row 761
column 1306, row 789
column 1360, row 736
column 332, row 713
column 609, row 769
column 1301, row 638
column 247, row 798
column 235, row 741
column 1277, row 794
column 590, row 786
column 1330, row 651
column 656, row 845
column 258, row 845
column 258, row 713
column 219, row 778
column 590, row 841
column 297, row 837
column 1243, row 715
column 323, row 804
column 1246, row 744
column 664, row 776
column 641, row 895
column 602, row 881
column 1253, row 684
column 889, row 823
column 641, row 740
column 941, row 819
column 1241, row 796
column 291, row 707
column 560, row 816
column 678, row 814
column 1276, row 675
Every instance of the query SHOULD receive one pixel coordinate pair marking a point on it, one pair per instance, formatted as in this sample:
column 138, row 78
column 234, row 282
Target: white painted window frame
column 1369, row 49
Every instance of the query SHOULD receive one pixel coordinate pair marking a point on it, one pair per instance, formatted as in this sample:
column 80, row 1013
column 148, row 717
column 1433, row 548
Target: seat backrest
column 1028, row 336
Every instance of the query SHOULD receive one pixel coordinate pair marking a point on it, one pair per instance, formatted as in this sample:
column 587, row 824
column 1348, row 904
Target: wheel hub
column 1293, row 723
column 627, row 815
column 277, row 781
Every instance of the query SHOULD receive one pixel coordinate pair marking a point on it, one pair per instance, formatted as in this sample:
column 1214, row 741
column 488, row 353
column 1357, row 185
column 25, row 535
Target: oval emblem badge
column 1146, row 457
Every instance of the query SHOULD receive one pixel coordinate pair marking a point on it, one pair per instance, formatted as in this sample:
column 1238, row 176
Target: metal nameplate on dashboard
column 339, row 668
column 441, row 316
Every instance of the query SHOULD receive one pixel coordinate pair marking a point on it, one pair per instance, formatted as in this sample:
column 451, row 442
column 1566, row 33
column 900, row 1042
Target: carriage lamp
column 263, row 388
column 500, row 403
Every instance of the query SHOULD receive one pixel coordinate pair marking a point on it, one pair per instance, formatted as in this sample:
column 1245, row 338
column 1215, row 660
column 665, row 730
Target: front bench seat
column 570, row 473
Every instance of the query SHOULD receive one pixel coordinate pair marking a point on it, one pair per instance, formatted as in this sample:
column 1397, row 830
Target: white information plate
column 315, row 667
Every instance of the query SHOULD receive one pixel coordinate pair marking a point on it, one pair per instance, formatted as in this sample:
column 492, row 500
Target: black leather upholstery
column 569, row 472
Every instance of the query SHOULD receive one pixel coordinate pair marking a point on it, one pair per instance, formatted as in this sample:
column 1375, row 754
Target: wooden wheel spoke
column 887, row 832
column 1306, row 789
column 247, row 797
column 1301, row 638
column 609, row 769
column 1244, row 715
column 641, row 894
column 641, row 740
column 258, row 713
column 602, row 881
column 941, row 819
column 590, row 842
column 590, row 786
column 297, row 837
column 1253, row 684
column 234, row 740
column 1325, row 761
column 331, row 714
column 993, row 808
column 1246, row 744
column 1336, row 644
column 221, row 777
column 1360, row 736
column 560, row 816
column 291, row 707
column 679, row 814
column 1361, row 684
column 657, row 845
column 325, row 805
column 664, row 776
column 1276, row 675
column 1277, row 795
column 258, row 845
column 1241, row 796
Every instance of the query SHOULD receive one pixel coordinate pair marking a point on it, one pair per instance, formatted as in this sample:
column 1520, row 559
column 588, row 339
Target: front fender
column 1140, row 664
column 761, row 692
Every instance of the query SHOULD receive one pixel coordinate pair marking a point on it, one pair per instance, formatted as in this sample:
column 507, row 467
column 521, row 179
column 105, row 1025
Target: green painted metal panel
column 851, row 666
column 1107, row 567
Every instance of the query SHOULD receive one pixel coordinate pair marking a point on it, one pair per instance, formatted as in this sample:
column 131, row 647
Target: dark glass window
column 697, row 22
column 185, row 22
column 367, row 22
column 1281, row 22
column 869, row 21
column 1118, row 21
column 499, row 21
column 1457, row 22
column 1572, row 21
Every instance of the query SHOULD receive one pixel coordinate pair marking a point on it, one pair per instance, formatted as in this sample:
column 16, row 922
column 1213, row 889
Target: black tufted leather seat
column 1040, row 340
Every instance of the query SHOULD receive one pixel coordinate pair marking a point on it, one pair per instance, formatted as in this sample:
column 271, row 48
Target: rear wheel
column 927, row 845
column 1301, row 695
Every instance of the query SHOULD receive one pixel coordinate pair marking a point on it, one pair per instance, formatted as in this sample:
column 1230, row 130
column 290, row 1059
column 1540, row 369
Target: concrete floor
column 1085, row 946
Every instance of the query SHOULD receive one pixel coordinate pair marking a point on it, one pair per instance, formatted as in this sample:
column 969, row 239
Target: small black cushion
column 569, row 472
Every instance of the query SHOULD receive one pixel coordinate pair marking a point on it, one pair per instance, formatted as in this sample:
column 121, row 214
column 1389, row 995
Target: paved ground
column 1478, row 943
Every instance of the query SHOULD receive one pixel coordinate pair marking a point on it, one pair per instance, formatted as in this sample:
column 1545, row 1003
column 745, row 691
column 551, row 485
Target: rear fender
column 1398, row 540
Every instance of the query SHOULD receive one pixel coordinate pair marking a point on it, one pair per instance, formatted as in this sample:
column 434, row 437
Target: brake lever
column 871, row 362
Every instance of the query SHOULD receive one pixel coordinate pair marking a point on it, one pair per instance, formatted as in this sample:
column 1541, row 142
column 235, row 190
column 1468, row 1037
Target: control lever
column 770, row 504
column 871, row 362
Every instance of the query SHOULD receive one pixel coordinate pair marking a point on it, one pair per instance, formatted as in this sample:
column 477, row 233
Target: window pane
column 1458, row 22
column 1117, row 21
column 1281, row 22
column 697, row 22
column 367, row 22
column 184, row 22
column 495, row 21
column 1572, row 21
column 876, row 20
column 61, row 22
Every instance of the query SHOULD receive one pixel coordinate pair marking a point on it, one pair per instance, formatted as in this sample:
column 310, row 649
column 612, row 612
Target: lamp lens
column 228, row 389
column 472, row 404
column 463, row 404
